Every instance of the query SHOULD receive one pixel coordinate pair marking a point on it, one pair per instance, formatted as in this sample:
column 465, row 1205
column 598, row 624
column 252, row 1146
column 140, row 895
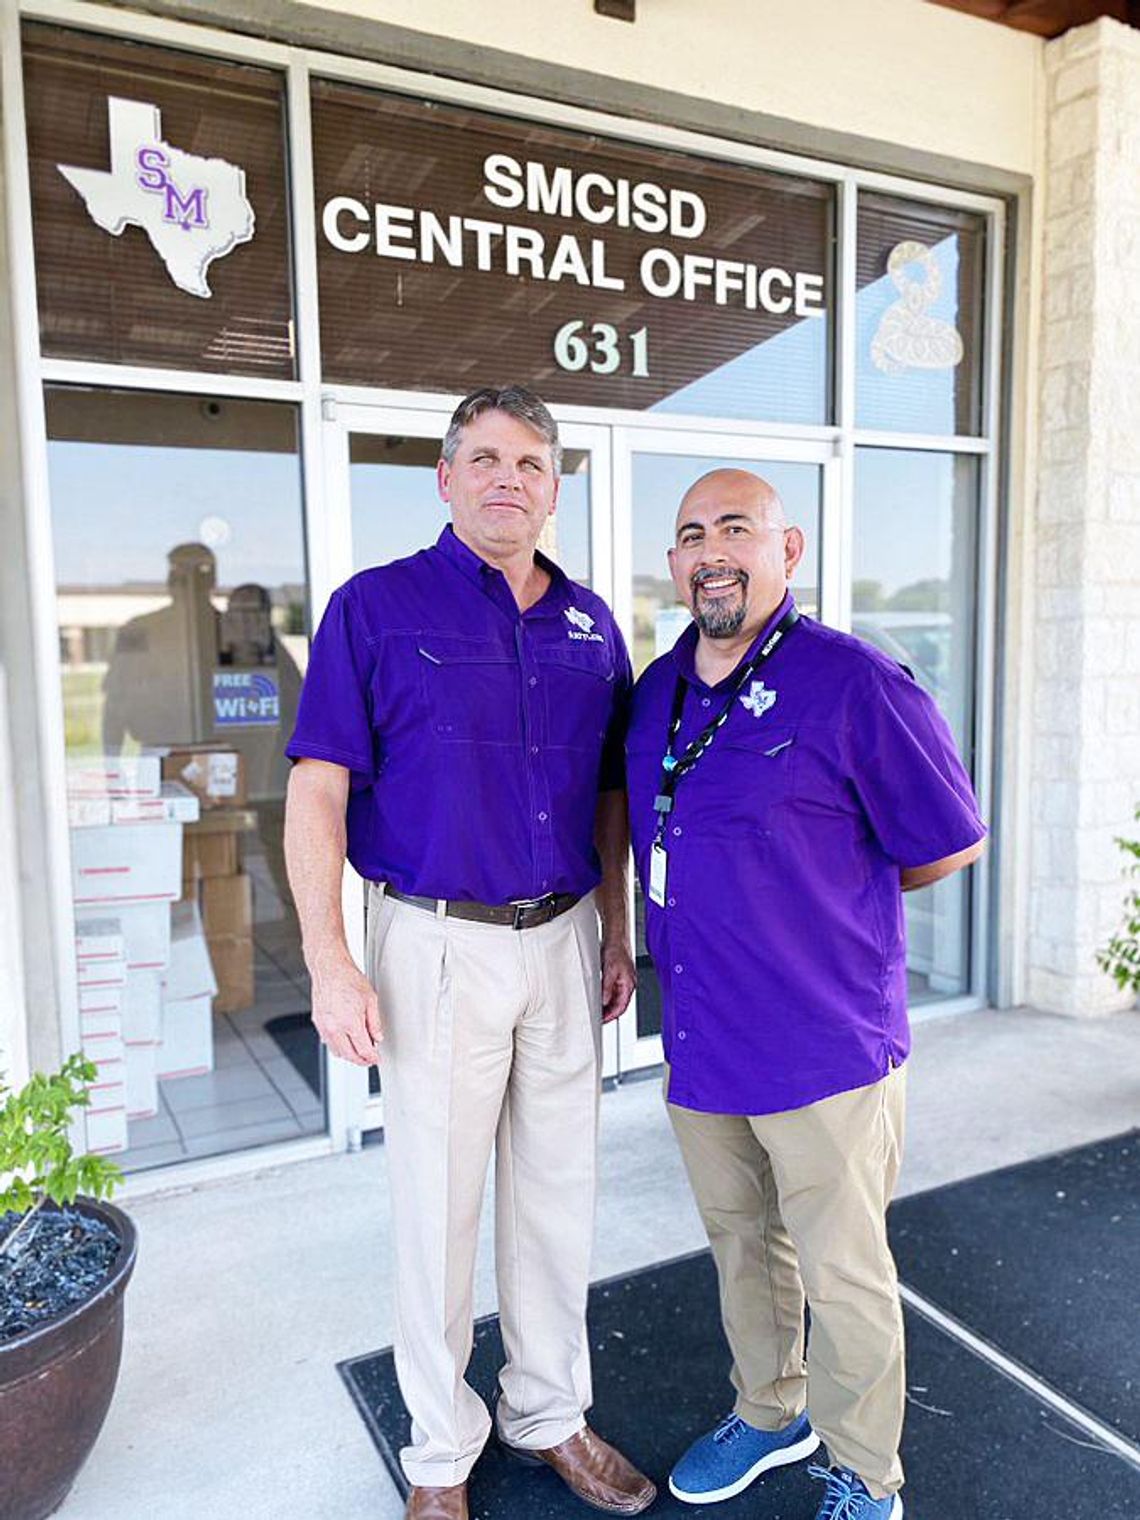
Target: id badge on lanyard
column 658, row 866
column 675, row 767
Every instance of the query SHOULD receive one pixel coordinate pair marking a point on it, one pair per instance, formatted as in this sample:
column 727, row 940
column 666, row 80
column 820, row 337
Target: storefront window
column 453, row 244
column 159, row 205
column 914, row 597
column 183, row 622
column 919, row 317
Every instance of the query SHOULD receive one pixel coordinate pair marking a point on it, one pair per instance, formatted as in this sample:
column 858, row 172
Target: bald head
column 733, row 490
column 734, row 553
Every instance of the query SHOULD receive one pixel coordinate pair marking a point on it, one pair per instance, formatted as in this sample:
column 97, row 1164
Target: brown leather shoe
column 437, row 1503
column 596, row 1472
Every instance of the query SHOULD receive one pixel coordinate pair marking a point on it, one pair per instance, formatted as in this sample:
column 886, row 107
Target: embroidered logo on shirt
column 758, row 700
column 584, row 625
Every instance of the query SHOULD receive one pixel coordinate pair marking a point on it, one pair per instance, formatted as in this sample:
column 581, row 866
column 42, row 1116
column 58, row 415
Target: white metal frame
column 362, row 1111
column 299, row 66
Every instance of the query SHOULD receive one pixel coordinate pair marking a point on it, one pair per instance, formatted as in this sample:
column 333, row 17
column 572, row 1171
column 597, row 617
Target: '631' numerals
column 601, row 349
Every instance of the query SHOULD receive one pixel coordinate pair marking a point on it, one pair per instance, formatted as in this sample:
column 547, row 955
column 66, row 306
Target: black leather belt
column 526, row 914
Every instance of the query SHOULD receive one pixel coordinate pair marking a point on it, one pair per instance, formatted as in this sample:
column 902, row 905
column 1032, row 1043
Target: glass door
column 383, row 504
column 652, row 471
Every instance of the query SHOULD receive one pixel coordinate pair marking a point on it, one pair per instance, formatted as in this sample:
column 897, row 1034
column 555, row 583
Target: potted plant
column 65, row 1261
column 1121, row 956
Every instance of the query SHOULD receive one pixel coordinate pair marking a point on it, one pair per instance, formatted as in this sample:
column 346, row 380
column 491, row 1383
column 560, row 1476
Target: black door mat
column 298, row 1041
column 976, row 1447
column 1042, row 1261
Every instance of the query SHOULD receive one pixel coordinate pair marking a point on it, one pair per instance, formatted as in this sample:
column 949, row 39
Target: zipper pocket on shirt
column 427, row 656
column 776, row 748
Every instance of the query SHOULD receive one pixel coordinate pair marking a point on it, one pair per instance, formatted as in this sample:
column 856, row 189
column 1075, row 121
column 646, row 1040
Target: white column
column 13, row 1009
column 1086, row 653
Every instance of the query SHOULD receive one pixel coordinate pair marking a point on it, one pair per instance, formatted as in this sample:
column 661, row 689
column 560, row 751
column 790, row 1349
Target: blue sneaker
column 732, row 1456
column 847, row 1498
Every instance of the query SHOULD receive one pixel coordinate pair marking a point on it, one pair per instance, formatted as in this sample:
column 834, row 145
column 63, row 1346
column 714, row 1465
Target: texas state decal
column 194, row 210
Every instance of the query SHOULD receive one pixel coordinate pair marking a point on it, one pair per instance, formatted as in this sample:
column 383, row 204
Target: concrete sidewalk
column 248, row 1292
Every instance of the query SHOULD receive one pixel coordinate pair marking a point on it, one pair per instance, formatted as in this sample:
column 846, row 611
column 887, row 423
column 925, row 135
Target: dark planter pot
column 56, row 1384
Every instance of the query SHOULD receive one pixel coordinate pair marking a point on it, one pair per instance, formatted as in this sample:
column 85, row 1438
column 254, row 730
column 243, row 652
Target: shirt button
column 672, row 902
column 706, row 701
column 534, row 680
column 677, row 830
column 678, row 969
column 542, row 817
column 534, row 749
column 681, row 1034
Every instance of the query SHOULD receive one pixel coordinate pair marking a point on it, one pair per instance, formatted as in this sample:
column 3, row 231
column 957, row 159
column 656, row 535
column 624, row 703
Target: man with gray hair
column 460, row 739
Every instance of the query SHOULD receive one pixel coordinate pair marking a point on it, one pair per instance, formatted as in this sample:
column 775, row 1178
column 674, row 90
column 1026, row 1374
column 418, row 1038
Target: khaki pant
column 795, row 1203
column 491, row 1037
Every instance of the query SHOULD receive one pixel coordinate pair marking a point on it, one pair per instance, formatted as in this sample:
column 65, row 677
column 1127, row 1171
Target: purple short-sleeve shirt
column 781, row 945
column 477, row 737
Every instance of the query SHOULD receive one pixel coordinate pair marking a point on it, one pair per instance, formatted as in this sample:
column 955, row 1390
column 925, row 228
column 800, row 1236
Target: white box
column 146, row 935
column 142, row 1081
column 101, row 1024
column 106, row 1130
column 98, row 939
column 88, row 812
column 142, row 1008
column 104, row 1047
column 126, row 863
column 114, row 776
column 190, row 973
column 177, row 804
column 92, row 973
column 187, row 1048
column 109, row 1089
column 101, row 1002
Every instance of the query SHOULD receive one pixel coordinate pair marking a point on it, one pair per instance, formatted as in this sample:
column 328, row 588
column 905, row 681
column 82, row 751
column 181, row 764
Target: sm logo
column 153, row 173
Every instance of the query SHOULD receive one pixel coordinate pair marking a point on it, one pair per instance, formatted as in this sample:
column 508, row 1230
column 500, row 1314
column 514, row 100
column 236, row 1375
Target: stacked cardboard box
column 214, row 772
column 188, row 988
column 126, row 857
column 213, row 879
column 101, row 960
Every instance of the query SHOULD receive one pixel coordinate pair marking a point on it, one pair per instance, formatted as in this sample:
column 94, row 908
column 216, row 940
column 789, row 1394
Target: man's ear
column 443, row 480
column 794, row 546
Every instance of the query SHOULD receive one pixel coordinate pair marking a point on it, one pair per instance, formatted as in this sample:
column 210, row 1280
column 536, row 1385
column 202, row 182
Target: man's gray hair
column 518, row 402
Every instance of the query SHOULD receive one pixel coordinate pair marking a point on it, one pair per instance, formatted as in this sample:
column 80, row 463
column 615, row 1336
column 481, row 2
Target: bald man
column 787, row 784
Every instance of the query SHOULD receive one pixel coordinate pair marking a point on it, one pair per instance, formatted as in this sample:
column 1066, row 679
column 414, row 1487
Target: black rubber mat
column 298, row 1041
column 1043, row 1261
column 976, row 1447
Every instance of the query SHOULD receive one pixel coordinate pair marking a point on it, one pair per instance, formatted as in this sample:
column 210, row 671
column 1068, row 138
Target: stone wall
column 1085, row 765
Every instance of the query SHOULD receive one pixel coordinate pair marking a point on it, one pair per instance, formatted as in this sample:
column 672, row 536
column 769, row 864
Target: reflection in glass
column 918, row 317
column 182, row 605
column 659, row 483
column 396, row 509
column 914, row 597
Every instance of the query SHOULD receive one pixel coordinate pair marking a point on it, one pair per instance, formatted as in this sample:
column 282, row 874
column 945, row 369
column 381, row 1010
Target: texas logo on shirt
column 583, row 626
column 759, row 699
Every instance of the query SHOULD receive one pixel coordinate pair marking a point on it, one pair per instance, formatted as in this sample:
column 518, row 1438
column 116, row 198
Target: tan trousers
column 796, row 1202
column 491, row 1037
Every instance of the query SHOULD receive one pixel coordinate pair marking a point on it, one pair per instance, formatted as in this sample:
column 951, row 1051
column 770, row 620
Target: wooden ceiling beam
column 1047, row 18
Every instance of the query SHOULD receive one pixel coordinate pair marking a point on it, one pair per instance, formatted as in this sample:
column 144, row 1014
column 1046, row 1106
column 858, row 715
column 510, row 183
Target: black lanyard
column 674, row 767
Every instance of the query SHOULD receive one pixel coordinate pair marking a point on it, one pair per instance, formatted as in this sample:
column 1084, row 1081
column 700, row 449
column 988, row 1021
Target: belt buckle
column 528, row 905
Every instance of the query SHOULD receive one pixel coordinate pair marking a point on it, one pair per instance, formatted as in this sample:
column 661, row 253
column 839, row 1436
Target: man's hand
column 346, row 1013
column 619, row 978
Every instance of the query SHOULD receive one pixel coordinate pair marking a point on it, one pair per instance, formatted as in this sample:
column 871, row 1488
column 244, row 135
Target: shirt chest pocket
column 579, row 696
column 471, row 689
column 756, row 774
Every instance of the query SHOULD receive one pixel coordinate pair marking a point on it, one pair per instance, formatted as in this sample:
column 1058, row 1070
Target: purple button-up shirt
column 781, row 947
column 478, row 737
